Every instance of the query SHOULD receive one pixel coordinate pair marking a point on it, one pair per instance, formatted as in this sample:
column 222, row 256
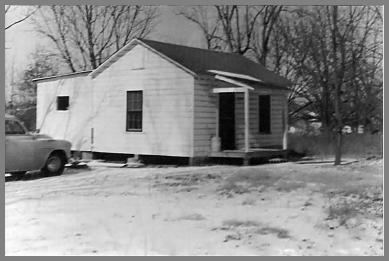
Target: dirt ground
column 272, row 209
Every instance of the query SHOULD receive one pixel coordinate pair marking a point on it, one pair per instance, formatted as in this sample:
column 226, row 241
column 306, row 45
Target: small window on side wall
column 264, row 114
column 134, row 110
column 62, row 103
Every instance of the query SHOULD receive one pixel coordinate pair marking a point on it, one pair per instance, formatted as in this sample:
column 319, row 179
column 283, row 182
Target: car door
column 19, row 147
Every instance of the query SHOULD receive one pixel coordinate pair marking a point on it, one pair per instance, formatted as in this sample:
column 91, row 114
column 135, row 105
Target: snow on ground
column 275, row 209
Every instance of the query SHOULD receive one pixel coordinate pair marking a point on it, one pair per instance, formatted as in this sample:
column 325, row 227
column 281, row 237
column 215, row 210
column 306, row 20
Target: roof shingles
column 201, row 60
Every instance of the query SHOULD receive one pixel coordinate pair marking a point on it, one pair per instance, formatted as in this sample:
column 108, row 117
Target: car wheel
column 55, row 165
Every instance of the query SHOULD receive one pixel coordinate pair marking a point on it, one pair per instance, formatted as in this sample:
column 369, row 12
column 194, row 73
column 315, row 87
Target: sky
column 21, row 41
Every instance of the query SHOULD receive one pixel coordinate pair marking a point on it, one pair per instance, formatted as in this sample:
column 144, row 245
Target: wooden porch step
column 253, row 153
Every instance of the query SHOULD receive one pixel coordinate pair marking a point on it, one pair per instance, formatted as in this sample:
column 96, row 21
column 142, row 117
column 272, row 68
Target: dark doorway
column 227, row 120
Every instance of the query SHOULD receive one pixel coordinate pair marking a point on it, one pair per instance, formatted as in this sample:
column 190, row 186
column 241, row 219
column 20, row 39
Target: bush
column 354, row 145
column 25, row 112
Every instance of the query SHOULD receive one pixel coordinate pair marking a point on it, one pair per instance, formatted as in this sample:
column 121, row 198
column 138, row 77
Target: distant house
column 154, row 98
column 307, row 123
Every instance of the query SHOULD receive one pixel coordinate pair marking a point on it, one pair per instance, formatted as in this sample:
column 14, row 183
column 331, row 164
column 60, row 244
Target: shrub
column 354, row 145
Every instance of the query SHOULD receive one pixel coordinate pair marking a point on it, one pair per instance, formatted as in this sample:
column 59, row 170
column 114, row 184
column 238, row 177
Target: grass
column 249, row 202
column 259, row 227
column 248, row 180
column 231, row 187
column 192, row 217
column 342, row 212
column 289, row 185
column 245, row 180
column 189, row 179
column 232, row 223
column 280, row 232
column 352, row 201
column 351, row 191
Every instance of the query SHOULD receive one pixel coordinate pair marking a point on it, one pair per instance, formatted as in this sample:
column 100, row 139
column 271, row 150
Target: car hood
column 47, row 137
column 43, row 136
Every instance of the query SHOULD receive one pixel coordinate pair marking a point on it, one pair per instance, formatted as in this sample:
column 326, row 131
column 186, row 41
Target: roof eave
column 281, row 87
column 107, row 62
column 60, row 76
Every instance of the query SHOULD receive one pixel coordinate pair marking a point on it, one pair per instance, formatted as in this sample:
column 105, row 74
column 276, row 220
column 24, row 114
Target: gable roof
column 201, row 61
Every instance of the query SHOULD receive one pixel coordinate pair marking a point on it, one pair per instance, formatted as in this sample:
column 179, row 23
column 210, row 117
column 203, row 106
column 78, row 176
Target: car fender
column 47, row 147
column 45, row 154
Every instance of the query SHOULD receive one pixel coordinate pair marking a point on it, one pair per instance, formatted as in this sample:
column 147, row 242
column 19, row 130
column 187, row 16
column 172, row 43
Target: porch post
column 246, row 120
column 217, row 115
column 285, row 118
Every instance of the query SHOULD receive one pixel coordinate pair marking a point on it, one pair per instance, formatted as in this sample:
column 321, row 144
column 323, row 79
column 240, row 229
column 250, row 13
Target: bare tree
column 205, row 18
column 86, row 35
column 264, row 31
column 9, row 10
column 338, row 77
column 334, row 50
column 225, row 27
column 238, row 24
column 23, row 99
column 246, row 30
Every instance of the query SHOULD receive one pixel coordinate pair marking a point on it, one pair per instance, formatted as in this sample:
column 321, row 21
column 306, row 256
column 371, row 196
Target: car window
column 13, row 127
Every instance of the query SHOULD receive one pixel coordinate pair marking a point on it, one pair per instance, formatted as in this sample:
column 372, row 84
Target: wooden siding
column 277, row 102
column 73, row 124
column 167, row 106
column 205, row 107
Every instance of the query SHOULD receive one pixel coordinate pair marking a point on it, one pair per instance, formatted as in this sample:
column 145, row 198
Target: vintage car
column 25, row 151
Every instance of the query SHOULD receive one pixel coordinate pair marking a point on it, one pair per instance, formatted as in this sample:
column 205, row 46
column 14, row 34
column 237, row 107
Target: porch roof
column 240, row 83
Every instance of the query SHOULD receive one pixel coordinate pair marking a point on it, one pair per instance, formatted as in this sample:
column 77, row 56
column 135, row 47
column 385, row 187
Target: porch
column 226, row 123
column 252, row 153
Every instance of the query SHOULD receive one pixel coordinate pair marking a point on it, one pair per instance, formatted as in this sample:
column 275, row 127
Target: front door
column 227, row 120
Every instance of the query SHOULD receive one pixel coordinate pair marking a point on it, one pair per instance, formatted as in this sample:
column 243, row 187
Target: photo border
column 167, row 2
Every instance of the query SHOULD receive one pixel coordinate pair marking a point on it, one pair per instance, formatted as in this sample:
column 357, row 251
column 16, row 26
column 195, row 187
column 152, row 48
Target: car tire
column 55, row 165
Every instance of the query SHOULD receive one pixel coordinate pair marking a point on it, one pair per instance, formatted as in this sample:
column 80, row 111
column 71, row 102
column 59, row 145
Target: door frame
column 222, row 122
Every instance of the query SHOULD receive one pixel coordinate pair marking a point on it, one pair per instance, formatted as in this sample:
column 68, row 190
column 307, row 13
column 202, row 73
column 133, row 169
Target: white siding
column 205, row 117
column 73, row 124
column 167, row 106
column 256, row 139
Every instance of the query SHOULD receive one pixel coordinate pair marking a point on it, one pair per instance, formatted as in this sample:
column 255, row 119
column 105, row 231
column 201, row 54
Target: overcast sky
column 21, row 40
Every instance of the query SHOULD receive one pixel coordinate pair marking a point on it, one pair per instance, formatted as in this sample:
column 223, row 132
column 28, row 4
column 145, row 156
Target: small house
column 155, row 98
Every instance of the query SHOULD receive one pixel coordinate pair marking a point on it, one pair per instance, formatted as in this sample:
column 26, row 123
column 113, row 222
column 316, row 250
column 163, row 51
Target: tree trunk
column 338, row 116
column 325, row 117
column 338, row 147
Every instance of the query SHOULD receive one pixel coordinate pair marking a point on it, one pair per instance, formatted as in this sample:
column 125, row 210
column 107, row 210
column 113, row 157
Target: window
column 264, row 114
column 62, row 103
column 134, row 110
column 13, row 127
